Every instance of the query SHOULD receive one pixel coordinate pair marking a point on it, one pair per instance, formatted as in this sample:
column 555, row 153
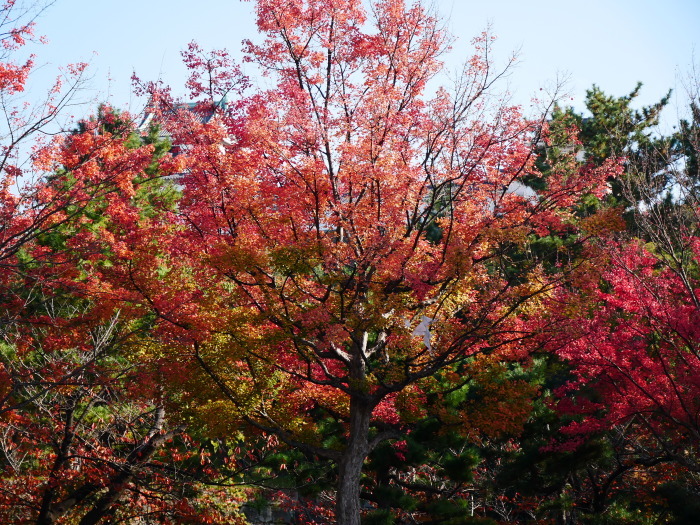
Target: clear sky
column 613, row 43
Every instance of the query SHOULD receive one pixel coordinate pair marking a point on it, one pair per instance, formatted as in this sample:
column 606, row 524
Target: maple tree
column 78, row 431
column 23, row 215
column 83, row 423
column 26, row 211
column 603, row 474
column 632, row 349
column 303, row 283
column 630, row 333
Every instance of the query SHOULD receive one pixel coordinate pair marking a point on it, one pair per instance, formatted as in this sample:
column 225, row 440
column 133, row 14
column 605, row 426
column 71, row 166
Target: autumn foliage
column 369, row 296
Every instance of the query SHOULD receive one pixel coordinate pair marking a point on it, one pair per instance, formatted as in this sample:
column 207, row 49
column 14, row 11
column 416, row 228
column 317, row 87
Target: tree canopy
column 357, row 292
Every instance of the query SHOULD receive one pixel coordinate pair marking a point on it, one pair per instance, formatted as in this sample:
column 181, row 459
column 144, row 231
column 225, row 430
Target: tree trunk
column 348, row 499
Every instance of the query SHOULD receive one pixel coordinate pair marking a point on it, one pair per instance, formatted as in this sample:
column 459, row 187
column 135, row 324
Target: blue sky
column 613, row 43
